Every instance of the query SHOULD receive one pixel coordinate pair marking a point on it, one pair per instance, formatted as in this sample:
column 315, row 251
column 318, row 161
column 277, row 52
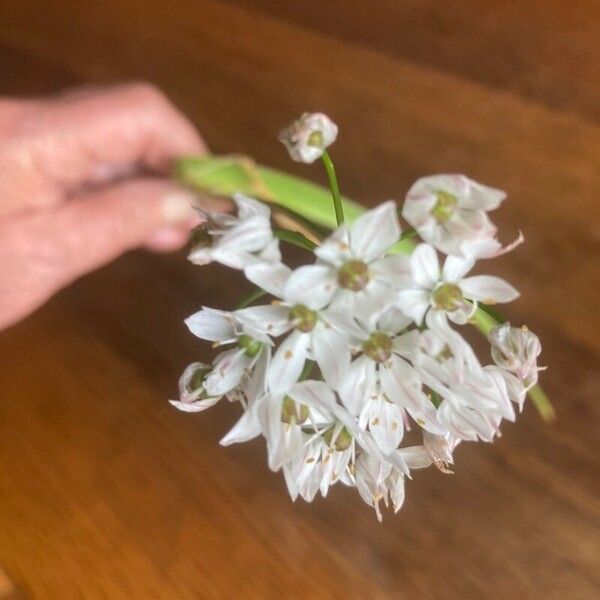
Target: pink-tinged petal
column 228, row 369
column 288, row 362
column 195, row 405
column 414, row 304
column 455, row 268
column 268, row 277
column 332, row 353
column 374, row 232
column 481, row 197
column 212, row 325
column 488, row 289
column 269, row 319
column 247, row 428
column 425, row 266
column 335, row 250
column 311, row 285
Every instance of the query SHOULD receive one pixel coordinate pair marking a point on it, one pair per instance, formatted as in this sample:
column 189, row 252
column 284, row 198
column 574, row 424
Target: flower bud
column 353, row 275
column 516, row 350
column 307, row 137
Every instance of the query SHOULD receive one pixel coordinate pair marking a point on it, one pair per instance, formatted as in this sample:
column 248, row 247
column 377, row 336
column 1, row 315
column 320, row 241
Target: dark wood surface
column 107, row 492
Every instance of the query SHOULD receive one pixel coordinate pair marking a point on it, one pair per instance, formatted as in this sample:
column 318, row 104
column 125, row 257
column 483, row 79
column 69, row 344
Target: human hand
column 82, row 180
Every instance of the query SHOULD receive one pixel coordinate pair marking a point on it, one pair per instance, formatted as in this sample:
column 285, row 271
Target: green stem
column 335, row 189
column 250, row 298
column 296, row 238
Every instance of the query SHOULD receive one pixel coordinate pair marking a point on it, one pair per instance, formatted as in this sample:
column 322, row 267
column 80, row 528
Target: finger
column 44, row 251
column 50, row 148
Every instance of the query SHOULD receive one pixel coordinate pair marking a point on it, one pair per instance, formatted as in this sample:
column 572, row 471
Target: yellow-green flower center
column 447, row 297
column 353, row 275
column 445, row 207
column 316, row 139
column 197, row 379
column 304, row 319
column 378, row 347
column 292, row 412
column 250, row 346
column 342, row 441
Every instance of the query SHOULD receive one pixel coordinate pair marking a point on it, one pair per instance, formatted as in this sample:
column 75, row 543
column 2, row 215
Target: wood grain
column 106, row 492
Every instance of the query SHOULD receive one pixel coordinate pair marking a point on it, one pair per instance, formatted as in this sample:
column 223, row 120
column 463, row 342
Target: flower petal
column 212, row 325
column 228, row 369
column 425, row 266
column 332, row 353
column 247, row 428
column 488, row 289
column 374, row 232
column 455, row 268
column 267, row 319
column 288, row 362
column 401, row 384
column 359, row 385
column 269, row 277
column 311, row 285
column 414, row 303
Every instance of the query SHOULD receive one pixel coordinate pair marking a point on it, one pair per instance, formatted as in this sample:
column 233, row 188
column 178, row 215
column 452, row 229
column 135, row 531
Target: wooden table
column 107, row 492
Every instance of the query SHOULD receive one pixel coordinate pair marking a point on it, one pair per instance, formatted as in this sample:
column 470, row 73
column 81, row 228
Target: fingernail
column 177, row 208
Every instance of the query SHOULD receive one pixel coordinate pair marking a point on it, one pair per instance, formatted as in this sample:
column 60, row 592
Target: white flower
column 223, row 328
column 450, row 213
column 236, row 240
column 472, row 400
column 381, row 384
column 306, row 138
column 192, row 395
column 377, row 480
column 516, row 350
column 352, row 274
column 440, row 449
column 448, row 291
column 303, row 295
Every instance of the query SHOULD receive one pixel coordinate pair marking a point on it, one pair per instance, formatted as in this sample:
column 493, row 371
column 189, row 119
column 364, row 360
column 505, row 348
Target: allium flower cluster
column 363, row 344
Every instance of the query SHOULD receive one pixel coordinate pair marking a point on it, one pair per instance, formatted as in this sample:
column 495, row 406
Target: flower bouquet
column 362, row 343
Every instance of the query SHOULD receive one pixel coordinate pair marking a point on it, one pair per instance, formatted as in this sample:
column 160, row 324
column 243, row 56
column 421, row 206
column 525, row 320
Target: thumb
column 44, row 251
